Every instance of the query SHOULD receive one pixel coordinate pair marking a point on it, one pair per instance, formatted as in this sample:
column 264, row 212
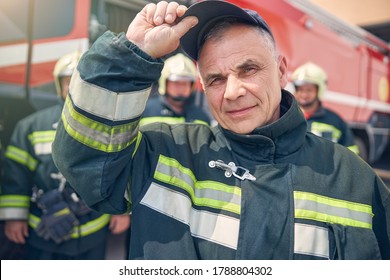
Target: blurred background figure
column 310, row 86
column 176, row 87
column 8, row 249
column 39, row 207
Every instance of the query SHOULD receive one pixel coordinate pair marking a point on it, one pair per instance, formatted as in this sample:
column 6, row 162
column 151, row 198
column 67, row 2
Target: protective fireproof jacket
column 327, row 124
column 29, row 172
column 206, row 193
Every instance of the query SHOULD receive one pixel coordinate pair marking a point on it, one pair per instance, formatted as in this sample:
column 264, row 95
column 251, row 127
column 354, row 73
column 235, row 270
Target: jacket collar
column 272, row 142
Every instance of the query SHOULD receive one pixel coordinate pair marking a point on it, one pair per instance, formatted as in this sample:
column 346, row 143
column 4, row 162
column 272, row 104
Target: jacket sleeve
column 20, row 164
column 98, row 131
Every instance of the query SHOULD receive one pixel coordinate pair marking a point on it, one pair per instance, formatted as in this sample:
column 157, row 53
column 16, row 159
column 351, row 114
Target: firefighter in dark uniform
column 8, row 249
column 39, row 207
column 310, row 85
column 251, row 187
column 175, row 104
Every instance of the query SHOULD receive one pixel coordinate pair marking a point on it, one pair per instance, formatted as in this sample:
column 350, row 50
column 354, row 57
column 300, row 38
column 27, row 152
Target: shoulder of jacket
column 43, row 116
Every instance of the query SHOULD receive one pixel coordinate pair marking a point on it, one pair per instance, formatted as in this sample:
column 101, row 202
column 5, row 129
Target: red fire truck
column 357, row 62
column 34, row 35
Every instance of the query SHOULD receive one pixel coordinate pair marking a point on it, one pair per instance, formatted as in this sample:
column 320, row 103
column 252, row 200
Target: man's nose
column 234, row 88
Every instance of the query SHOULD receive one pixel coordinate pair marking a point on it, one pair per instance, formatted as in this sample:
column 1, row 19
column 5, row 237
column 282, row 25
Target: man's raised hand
column 157, row 29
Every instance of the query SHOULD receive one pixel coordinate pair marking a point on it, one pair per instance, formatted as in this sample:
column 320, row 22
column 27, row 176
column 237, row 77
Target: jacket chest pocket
column 335, row 242
column 352, row 243
column 333, row 228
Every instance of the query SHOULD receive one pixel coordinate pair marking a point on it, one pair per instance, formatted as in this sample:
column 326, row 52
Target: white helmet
column 177, row 68
column 310, row 73
column 65, row 67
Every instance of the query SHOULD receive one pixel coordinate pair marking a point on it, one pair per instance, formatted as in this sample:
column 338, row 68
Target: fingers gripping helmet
column 65, row 67
column 310, row 73
column 177, row 68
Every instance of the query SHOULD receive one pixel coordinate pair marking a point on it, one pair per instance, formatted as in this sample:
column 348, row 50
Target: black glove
column 58, row 221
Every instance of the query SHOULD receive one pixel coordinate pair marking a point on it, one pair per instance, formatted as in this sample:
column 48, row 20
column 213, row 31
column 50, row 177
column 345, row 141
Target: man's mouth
column 240, row 111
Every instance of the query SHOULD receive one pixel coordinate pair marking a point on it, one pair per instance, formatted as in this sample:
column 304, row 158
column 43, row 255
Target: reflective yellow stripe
column 97, row 135
column 78, row 231
column 33, row 221
column 325, row 209
column 14, row 201
column 42, row 140
column 139, row 137
column 201, row 122
column 22, row 157
column 91, row 227
column 203, row 193
column 354, row 149
column 62, row 212
column 319, row 128
column 42, row 136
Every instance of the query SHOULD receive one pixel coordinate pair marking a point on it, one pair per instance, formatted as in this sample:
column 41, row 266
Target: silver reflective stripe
column 42, row 148
column 104, row 103
column 213, row 227
column 333, row 211
column 311, row 240
column 164, row 119
column 21, row 156
column 326, row 209
column 14, row 213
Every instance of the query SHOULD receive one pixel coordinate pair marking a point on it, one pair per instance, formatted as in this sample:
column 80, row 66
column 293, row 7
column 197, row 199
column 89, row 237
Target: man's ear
column 282, row 68
column 201, row 82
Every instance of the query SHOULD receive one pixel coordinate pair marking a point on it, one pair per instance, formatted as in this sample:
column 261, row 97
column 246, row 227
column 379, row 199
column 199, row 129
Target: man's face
column 242, row 79
column 179, row 89
column 306, row 95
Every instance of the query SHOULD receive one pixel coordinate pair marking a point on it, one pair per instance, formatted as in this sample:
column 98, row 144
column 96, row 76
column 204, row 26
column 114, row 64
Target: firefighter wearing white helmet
column 177, row 68
column 175, row 103
column 39, row 207
column 310, row 73
column 310, row 82
column 63, row 71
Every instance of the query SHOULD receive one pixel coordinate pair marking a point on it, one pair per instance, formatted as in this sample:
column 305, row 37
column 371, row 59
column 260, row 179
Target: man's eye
column 215, row 81
column 249, row 70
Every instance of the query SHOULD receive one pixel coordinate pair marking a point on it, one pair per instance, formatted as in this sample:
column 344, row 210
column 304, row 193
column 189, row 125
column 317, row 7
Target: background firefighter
column 310, row 86
column 39, row 207
column 176, row 87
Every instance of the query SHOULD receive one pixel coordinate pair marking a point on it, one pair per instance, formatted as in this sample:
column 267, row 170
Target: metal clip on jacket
column 231, row 169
